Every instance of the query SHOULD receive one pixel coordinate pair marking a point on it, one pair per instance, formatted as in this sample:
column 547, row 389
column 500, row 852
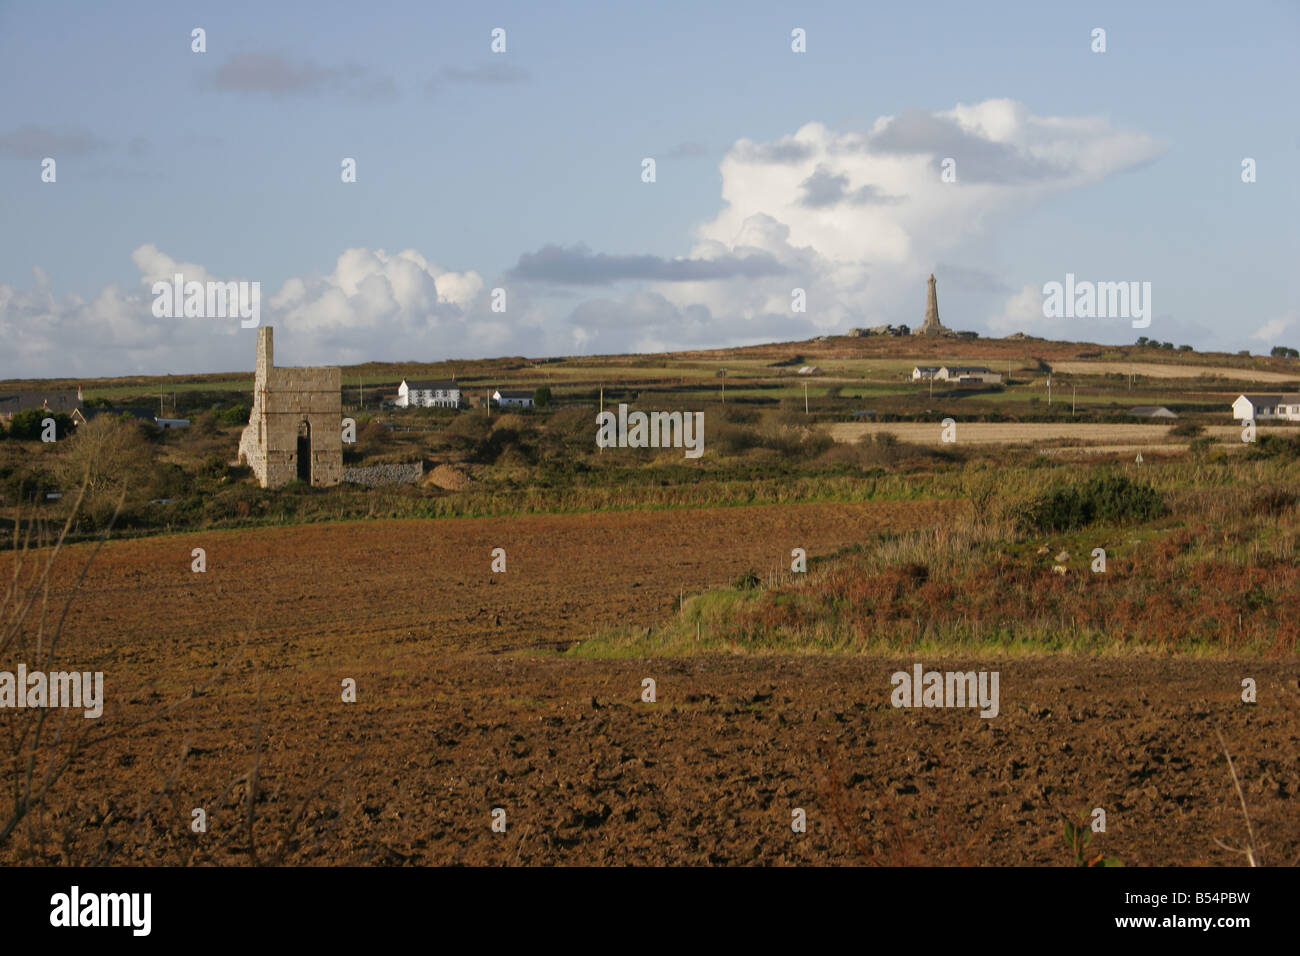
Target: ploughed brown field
column 462, row 707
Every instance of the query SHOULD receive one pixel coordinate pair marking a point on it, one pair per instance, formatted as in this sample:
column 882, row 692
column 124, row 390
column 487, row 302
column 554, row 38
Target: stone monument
column 932, row 325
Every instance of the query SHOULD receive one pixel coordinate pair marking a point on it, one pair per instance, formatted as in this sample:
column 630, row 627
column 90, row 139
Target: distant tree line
column 1147, row 343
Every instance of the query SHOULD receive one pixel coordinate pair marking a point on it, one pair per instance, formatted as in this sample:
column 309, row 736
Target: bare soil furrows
column 452, row 719
column 710, row 773
column 342, row 585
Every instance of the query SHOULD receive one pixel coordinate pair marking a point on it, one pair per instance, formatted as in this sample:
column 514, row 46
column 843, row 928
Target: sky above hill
column 524, row 171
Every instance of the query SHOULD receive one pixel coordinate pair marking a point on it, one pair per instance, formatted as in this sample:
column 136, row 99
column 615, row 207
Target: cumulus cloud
column 860, row 218
column 370, row 293
column 1023, row 312
column 1273, row 329
column 850, row 222
column 371, row 305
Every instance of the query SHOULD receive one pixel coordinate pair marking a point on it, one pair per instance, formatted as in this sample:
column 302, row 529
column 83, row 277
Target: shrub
column 214, row 466
column 234, row 415
column 1109, row 498
column 746, row 582
column 23, row 484
column 1275, row 446
column 26, row 425
column 542, row 396
column 733, row 439
column 1187, row 429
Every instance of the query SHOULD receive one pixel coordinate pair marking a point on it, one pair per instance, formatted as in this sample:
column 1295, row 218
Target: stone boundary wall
column 373, row 475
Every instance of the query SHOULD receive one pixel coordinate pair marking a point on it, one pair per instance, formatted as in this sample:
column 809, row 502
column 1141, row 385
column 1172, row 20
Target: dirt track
column 450, row 722
column 1123, row 436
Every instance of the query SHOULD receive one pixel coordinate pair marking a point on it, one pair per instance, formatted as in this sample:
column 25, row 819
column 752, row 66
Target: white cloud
column 856, row 219
column 862, row 218
column 1273, row 329
column 156, row 266
column 372, row 305
column 1022, row 312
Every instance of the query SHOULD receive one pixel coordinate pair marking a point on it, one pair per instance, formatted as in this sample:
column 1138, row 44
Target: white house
column 967, row 373
column 513, row 398
column 428, row 395
column 923, row 373
column 1285, row 406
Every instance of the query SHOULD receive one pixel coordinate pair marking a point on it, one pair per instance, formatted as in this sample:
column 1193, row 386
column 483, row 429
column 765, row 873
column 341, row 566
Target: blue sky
column 522, row 171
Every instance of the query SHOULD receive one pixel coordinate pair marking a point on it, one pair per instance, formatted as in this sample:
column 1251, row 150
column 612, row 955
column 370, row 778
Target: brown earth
column 449, row 478
column 459, row 710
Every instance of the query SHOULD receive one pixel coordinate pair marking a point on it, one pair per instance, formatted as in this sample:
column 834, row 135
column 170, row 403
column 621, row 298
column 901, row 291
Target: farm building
column 68, row 402
column 428, row 395
column 967, row 373
column 168, row 423
column 142, row 414
column 809, row 370
column 1285, row 406
column 923, row 373
column 1151, row 411
column 513, row 398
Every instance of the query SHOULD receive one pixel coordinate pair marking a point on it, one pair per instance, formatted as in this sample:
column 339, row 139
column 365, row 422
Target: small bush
column 234, row 415
column 747, row 581
column 1275, row 446
column 1107, row 498
column 1186, row 430
column 27, row 425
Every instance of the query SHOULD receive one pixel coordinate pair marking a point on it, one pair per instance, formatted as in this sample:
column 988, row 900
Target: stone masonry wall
column 284, row 400
column 391, row 474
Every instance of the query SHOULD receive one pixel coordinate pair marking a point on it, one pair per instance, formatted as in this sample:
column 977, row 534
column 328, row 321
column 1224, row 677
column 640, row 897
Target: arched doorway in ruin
column 304, row 451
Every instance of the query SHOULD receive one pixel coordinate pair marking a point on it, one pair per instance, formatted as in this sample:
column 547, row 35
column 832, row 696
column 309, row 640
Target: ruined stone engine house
column 295, row 429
